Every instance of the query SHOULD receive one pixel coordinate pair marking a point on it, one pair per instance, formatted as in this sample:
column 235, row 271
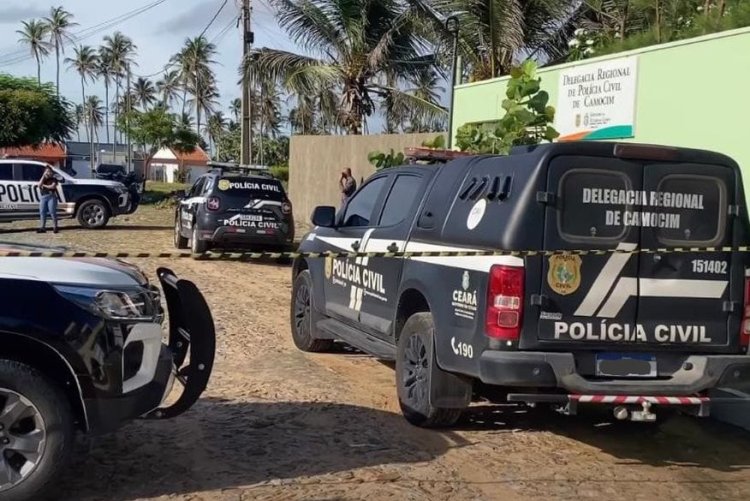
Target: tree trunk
column 85, row 114
column 57, row 56
column 106, row 106
column 117, row 114
column 658, row 21
column 38, row 70
column 722, row 8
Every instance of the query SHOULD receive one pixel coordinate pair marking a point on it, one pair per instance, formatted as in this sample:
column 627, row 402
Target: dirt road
column 279, row 424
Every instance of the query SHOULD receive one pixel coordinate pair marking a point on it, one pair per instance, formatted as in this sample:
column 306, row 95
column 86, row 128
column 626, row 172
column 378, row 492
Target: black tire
column 93, row 214
column 197, row 245
column 414, row 362
column 301, row 317
column 180, row 242
column 55, row 412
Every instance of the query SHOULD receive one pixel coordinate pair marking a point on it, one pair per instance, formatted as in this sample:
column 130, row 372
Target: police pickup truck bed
column 615, row 326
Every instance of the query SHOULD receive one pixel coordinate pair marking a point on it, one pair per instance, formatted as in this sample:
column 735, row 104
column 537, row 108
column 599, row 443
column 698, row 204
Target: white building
column 167, row 162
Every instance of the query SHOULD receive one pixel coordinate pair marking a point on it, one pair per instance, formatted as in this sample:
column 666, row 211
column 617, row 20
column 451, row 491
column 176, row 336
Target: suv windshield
column 250, row 188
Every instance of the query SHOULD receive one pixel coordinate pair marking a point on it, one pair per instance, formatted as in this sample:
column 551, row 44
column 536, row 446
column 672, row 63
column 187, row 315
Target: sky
column 158, row 33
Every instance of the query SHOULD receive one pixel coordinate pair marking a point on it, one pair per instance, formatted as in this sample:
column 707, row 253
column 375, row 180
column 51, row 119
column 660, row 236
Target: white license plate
column 626, row 365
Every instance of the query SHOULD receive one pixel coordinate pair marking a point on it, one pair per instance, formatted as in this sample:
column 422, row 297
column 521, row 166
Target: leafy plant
column 385, row 161
column 438, row 143
column 31, row 114
column 527, row 117
column 280, row 172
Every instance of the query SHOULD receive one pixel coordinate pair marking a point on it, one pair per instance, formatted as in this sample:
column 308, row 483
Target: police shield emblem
column 564, row 275
column 328, row 267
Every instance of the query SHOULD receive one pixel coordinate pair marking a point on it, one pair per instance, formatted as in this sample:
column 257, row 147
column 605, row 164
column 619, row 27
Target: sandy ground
column 279, row 424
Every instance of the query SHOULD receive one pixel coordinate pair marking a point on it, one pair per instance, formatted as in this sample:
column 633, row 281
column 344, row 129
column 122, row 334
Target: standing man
column 48, row 201
column 347, row 184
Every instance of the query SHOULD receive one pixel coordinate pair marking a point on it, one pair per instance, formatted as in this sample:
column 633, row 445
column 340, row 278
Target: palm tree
column 122, row 50
column 205, row 99
column 86, row 64
column 34, row 34
column 194, row 64
column 303, row 116
column 216, row 126
column 59, row 24
column 144, row 93
column 94, row 112
column 269, row 109
column 80, row 119
column 495, row 34
column 185, row 120
column 106, row 73
column 425, row 86
column 169, row 87
column 235, row 107
column 357, row 40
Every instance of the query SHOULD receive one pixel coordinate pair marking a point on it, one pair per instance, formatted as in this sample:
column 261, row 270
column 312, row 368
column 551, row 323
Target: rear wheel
column 180, row 242
column 93, row 214
column 415, row 361
column 198, row 246
column 303, row 327
column 36, row 432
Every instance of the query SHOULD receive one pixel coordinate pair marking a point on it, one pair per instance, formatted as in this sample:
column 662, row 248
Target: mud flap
column 447, row 390
column 191, row 332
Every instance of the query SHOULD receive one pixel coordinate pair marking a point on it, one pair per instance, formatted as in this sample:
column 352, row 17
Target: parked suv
column 234, row 210
column 614, row 326
column 92, row 201
column 82, row 352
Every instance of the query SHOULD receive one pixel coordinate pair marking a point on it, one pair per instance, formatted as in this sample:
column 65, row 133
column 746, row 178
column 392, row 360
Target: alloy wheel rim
column 415, row 371
column 302, row 310
column 93, row 214
column 23, row 437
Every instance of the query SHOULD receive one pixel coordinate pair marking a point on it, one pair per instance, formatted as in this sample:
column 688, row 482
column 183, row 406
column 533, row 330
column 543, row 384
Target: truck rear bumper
column 558, row 370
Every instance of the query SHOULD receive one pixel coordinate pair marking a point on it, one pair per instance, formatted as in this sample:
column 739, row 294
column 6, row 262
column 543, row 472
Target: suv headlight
column 115, row 305
column 120, row 188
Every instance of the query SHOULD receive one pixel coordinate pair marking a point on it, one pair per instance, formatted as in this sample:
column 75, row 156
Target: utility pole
column 246, row 149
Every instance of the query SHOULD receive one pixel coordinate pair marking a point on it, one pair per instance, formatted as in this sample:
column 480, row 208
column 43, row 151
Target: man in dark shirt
column 48, row 201
column 348, row 185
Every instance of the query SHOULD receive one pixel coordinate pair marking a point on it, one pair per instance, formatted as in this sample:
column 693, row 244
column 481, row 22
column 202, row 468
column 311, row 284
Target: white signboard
column 597, row 101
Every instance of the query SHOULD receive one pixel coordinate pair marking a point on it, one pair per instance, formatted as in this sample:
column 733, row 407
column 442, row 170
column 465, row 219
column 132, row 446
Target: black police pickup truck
column 624, row 329
column 234, row 210
column 82, row 351
column 92, row 201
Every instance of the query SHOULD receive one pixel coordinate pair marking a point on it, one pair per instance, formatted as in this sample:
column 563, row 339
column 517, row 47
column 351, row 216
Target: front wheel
column 415, row 364
column 93, row 214
column 36, row 432
column 303, row 326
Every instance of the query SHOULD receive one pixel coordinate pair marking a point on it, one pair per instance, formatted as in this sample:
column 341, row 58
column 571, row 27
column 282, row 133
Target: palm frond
column 296, row 73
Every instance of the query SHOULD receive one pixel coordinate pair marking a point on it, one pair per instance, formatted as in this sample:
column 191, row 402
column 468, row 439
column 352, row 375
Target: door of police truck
column 684, row 298
column 586, row 199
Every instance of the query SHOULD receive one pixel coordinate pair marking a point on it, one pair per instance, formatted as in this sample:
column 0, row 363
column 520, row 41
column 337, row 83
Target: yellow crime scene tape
column 249, row 256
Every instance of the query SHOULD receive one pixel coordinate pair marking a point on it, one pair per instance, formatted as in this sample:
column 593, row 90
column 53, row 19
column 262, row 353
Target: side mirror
column 324, row 216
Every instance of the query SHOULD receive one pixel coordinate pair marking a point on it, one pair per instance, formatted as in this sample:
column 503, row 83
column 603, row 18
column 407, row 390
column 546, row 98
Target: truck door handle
column 355, row 245
column 393, row 247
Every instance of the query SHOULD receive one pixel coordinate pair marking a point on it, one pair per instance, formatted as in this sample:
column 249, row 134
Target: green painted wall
column 692, row 93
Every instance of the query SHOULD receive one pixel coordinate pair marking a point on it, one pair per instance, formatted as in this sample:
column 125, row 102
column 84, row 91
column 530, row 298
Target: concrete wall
column 315, row 163
column 689, row 93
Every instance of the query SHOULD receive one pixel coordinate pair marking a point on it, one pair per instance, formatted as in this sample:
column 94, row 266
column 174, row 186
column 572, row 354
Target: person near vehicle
column 348, row 184
column 48, row 200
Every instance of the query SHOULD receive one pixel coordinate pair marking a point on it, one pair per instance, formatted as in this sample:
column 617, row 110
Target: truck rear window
column 577, row 220
column 251, row 188
column 694, row 209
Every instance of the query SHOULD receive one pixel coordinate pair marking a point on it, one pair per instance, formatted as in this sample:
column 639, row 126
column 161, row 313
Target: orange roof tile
column 51, row 151
column 196, row 156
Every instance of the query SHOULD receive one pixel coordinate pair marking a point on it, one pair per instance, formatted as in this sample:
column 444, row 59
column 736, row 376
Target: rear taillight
column 504, row 303
column 213, row 204
column 745, row 329
column 286, row 208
